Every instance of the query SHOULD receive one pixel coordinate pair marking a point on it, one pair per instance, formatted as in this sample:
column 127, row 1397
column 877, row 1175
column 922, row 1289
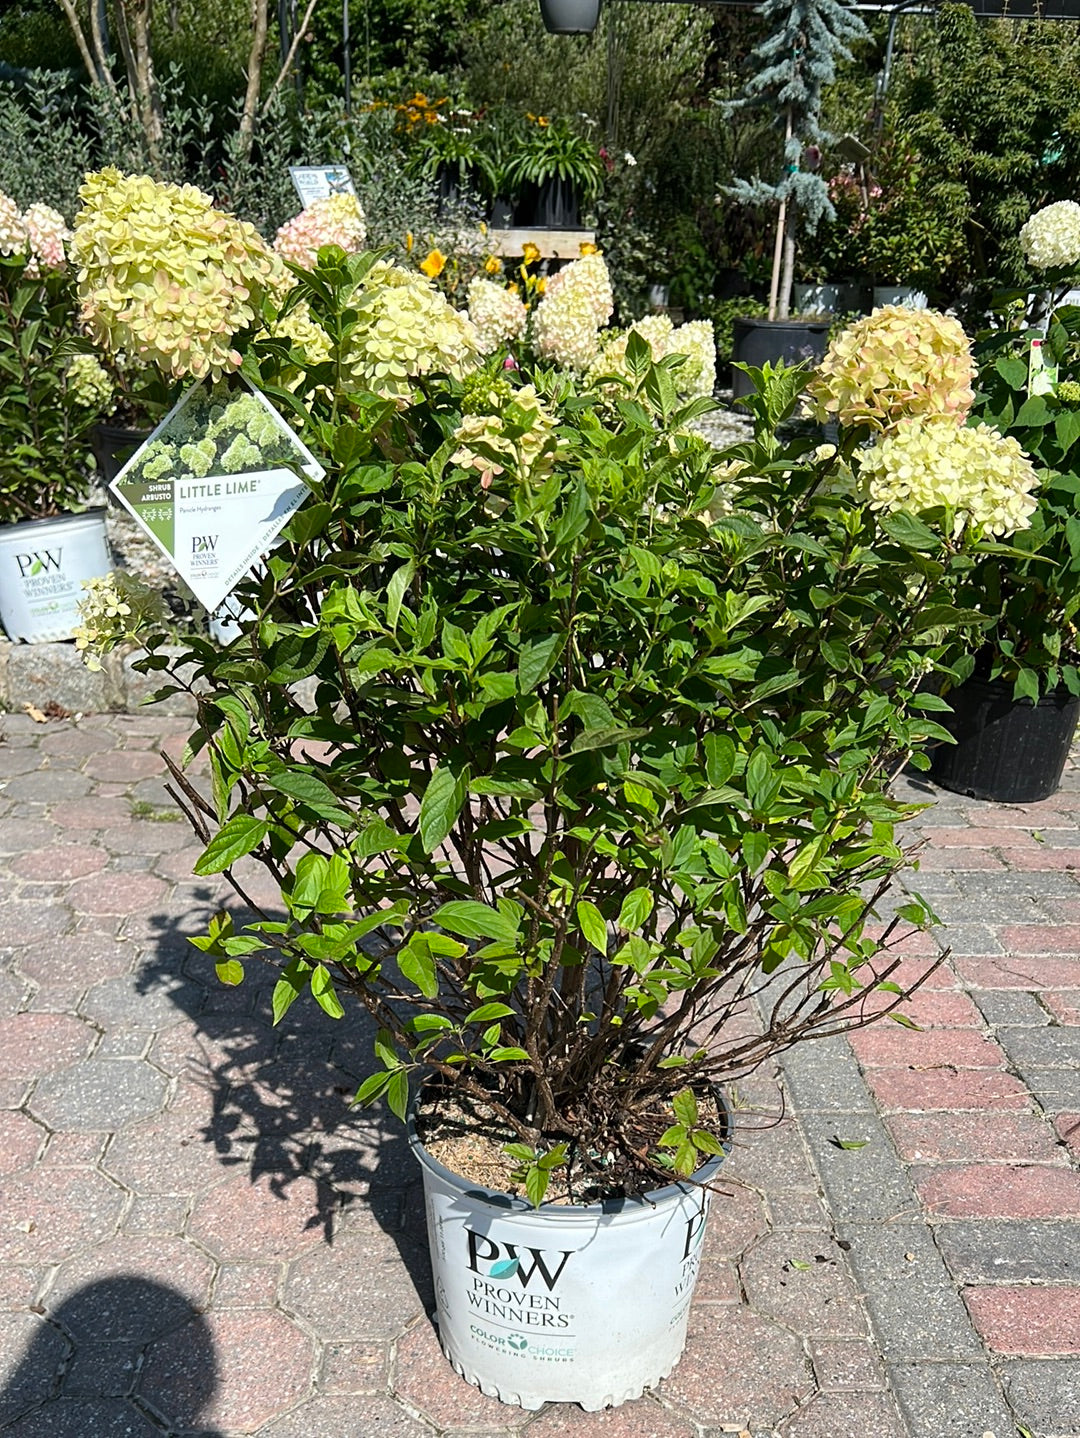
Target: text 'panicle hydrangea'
column 13, row 237
column 497, row 313
column 406, row 328
column 895, row 364
column 333, row 220
column 984, row 478
column 1051, row 238
column 47, row 234
column 166, row 277
column 577, row 302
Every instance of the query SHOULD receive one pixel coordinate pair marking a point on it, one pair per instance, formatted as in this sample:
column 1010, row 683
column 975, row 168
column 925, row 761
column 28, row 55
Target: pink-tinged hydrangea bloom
column 520, row 430
column 895, row 364
column 566, row 322
column 48, row 234
column 983, row 477
column 13, row 239
column 335, row 220
column 1051, row 238
column 165, row 277
column 406, row 328
column 498, row 314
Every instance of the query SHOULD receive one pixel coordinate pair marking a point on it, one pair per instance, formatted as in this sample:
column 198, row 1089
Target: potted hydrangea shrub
column 50, row 397
column 1016, row 712
column 591, row 810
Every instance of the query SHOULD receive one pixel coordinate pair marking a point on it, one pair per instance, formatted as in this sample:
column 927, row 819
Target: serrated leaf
column 442, row 802
column 486, row 1012
column 237, row 837
column 591, row 922
column 475, row 921
column 684, row 1106
column 417, row 964
column 536, row 1185
column 636, row 908
column 322, row 987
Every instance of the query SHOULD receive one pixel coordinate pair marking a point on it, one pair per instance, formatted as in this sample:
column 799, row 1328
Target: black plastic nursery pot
column 552, row 205
column 1011, row 751
column 755, row 341
column 113, row 446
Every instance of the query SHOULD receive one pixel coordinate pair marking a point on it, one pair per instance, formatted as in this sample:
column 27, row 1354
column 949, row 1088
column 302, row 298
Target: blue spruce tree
column 791, row 67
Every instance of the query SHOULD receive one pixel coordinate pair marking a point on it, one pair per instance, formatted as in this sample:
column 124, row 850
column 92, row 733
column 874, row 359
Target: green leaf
column 237, row 837
column 475, row 921
column 294, row 980
column 536, row 1184
column 537, row 659
column 636, row 908
column 397, row 1094
column 417, row 964
column 604, row 739
column 591, row 922
column 1034, row 412
column 322, row 987
column 1013, row 371
column 486, row 1012
column 909, row 531
column 719, row 759
column 442, row 803
column 306, row 789
column 395, row 592
column 685, row 1107
column 372, row 1088
column 309, row 521
column 231, row 972
column 850, row 1143
column 506, row 1055
column 756, row 847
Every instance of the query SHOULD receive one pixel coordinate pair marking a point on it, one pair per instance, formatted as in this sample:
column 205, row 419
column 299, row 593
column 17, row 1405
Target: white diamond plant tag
column 216, row 483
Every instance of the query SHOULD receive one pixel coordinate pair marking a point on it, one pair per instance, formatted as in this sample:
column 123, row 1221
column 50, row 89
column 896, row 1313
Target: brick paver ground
column 197, row 1236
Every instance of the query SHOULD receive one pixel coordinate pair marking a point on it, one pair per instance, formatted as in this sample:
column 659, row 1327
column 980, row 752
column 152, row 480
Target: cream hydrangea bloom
column 497, row 313
column 1051, row 238
column 577, row 301
column 303, row 332
column 894, row 364
column 406, row 328
column 694, row 342
column 334, row 220
column 528, row 457
column 13, row 237
column 166, row 277
column 47, row 233
column 89, row 384
column 117, row 608
column 984, row 477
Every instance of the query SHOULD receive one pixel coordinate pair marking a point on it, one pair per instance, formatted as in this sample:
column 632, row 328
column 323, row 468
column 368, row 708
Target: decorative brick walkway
column 197, row 1236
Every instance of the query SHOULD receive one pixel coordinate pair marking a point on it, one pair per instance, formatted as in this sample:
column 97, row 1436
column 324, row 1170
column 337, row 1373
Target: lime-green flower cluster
column 980, row 477
column 694, row 342
column 165, row 277
column 217, row 433
column 516, row 436
column 497, row 312
column 117, row 608
column 406, row 329
column 303, row 332
column 895, row 364
column 89, row 385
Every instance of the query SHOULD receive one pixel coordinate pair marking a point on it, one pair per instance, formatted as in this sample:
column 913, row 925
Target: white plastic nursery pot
column 832, row 299
column 562, row 1304
column 43, row 563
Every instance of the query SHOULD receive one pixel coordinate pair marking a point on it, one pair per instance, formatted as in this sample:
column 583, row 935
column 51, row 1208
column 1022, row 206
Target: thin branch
column 80, row 40
column 291, row 56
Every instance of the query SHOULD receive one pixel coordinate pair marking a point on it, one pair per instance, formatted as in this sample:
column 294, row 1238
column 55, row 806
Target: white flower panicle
column 13, row 237
column 1051, row 238
column 694, row 342
column 89, row 384
column 48, row 235
column 566, row 322
column 117, row 608
column 983, row 477
column 497, row 313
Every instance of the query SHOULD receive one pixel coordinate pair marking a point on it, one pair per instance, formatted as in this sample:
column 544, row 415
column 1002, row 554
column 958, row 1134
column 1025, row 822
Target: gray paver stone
column 914, row 1307
column 99, row 1094
column 1010, row 1007
column 101, row 1370
column 1052, row 1047
column 1045, row 1393
column 862, row 1185
column 31, row 1354
column 1058, row 1089
column 138, row 1001
column 1005, row 1251
column 950, row 1400
column 825, row 1075
column 83, row 1417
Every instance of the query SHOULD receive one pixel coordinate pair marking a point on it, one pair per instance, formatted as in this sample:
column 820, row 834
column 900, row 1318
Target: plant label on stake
column 318, row 182
column 1042, row 373
column 216, row 483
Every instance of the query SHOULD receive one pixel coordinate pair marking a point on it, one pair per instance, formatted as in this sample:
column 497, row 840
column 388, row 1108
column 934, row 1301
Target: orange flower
column 585, row 248
column 530, row 254
column 493, row 265
column 434, row 265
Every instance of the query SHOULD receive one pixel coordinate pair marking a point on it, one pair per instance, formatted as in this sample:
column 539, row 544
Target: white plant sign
column 216, row 483
column 318, row 182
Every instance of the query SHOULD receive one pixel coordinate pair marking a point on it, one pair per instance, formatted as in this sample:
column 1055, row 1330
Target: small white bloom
column 628, row 159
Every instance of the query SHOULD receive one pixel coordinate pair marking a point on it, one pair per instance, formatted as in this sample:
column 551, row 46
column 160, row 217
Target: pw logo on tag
column 202, row 543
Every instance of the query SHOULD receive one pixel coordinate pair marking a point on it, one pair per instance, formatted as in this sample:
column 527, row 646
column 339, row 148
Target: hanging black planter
column 755, row 341
column 1011, row 751
column 570, row 17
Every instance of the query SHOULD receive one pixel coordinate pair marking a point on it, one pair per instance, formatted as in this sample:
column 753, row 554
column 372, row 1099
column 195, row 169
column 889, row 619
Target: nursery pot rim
column 812, row 320
column 92, row 512
column 572, row 1212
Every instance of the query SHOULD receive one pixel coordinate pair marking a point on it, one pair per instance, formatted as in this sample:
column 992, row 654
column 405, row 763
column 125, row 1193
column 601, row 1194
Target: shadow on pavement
column 123, row 1357
column 281, row 1097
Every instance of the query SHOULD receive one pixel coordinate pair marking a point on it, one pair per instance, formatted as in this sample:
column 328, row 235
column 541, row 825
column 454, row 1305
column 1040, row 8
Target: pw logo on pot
column 38, row 562
column 507, row 1262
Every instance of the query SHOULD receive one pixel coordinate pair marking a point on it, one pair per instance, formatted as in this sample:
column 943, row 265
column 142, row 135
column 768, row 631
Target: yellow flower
column 585, row 248
column 434, row 265
column 530, row 254
column 541, row 284
column 493, row 265
column 543, row 121
column 409, row 242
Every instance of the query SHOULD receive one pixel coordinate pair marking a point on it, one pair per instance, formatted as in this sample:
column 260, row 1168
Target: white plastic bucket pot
column 43, row 563
column 829, row 299
column 562, row 1304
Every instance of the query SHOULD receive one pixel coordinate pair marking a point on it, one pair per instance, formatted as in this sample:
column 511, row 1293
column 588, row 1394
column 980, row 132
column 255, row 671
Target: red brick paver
column 1023, row 1319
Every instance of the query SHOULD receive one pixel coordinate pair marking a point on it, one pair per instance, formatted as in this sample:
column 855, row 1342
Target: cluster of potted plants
column 592, row 809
